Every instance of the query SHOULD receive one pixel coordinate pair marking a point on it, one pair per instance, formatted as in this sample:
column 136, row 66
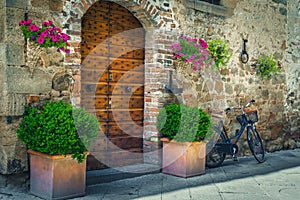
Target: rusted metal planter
column 184, row 159
column 56, row 177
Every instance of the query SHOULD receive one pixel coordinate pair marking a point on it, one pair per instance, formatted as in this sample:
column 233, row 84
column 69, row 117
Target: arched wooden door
column 112, row 83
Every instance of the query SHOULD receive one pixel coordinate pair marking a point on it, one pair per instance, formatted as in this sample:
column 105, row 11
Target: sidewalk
column 277, row 178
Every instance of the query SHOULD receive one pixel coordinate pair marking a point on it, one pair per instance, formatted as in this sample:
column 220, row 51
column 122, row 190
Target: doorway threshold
column 118, row 173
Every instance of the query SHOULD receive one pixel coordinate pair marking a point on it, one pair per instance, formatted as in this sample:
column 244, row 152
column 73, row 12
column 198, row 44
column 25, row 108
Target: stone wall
column 278, row 99
column 292, row 111
column 251, row 20
column 25, row 79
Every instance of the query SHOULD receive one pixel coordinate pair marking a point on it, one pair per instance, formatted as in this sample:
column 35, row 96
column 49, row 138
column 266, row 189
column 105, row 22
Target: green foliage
column 220, row 52
column 58, row 129
column 266, row 66
column 183, row 123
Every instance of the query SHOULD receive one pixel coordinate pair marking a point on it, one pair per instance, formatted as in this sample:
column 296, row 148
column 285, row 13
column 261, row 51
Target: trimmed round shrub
column 183, row 123
column 58, row 129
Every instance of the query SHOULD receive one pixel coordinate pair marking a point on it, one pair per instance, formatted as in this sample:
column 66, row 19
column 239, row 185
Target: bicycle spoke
column 215, row 158
column 256, row 145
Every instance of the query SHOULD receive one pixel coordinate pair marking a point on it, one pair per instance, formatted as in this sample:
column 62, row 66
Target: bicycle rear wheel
column 215, row 158
column 255, row 144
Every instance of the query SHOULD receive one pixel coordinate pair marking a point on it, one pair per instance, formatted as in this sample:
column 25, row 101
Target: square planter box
column 184, row 159
column 56, row 177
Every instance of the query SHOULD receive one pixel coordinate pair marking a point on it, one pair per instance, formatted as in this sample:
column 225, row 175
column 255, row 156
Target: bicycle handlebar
column 242, row 108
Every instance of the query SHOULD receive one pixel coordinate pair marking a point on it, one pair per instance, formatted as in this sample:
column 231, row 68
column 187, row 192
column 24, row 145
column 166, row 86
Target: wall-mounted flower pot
column 183, row 159
column 56, row 177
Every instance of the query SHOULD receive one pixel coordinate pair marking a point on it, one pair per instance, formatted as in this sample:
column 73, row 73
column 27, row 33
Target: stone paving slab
column 277, row 178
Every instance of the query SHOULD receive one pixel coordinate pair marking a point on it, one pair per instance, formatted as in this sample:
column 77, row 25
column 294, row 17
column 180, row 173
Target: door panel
column 112, row 83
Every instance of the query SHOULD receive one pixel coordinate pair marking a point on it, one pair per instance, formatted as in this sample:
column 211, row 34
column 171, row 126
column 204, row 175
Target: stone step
column 117, row 173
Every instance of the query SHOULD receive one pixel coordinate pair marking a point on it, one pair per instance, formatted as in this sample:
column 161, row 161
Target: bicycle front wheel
column 215, row 158
column 255, row 144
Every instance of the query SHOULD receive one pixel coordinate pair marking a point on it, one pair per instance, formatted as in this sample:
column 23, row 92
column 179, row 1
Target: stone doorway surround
column 158, row 29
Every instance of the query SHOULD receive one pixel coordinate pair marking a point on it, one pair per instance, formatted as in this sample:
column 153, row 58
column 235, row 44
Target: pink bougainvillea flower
column 40, row 40
column 195, row 68
column 67, row 51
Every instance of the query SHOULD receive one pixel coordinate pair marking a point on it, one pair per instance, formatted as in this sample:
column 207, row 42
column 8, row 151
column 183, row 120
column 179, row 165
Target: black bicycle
column 228, row 145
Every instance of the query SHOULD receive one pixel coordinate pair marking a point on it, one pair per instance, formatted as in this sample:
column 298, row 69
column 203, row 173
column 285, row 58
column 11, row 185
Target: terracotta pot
column 184, row 159
column 56, row 177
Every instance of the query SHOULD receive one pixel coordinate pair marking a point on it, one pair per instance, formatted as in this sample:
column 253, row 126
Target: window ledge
column 209, row 8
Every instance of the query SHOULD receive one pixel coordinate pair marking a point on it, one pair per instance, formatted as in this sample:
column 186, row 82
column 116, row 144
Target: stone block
column 56, row 5
column 44, row 4
column 13, row 159
column 20, row 80
column 2, row 4
column 16, row 3
column 12, row 54
column 61, row 82
column 229, row 3
column 12, row 104
column 2, row 24
column 13, row 34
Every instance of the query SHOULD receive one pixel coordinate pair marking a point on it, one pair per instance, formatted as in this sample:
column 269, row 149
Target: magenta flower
column 22, row 22
column 45, row 33
column 204, row 45
column 28, row 22
column 50, row 23
column 48, row 36
column 40, row 40
column 191, row 50
column 33, row 28
column 65, row 36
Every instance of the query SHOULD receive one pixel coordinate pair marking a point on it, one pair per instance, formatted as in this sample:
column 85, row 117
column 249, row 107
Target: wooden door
column 112, row 83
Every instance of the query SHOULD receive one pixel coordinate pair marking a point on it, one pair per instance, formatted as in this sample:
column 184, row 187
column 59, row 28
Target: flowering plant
column 46, row 36
column 193, row 50
column 267, row 66
column 220, row 52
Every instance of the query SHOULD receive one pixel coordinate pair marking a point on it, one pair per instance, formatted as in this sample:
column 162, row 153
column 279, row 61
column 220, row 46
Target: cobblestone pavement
column 277, row 178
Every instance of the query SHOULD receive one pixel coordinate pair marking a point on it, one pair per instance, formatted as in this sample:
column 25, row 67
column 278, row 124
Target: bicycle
column 228, row 145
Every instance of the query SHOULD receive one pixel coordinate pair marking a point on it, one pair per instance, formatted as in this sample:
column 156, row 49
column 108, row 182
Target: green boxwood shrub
column 58, row 129
column 183, row 123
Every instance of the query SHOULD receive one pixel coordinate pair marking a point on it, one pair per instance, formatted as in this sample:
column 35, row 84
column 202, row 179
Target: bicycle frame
column 230, row 146
column 234, row 139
